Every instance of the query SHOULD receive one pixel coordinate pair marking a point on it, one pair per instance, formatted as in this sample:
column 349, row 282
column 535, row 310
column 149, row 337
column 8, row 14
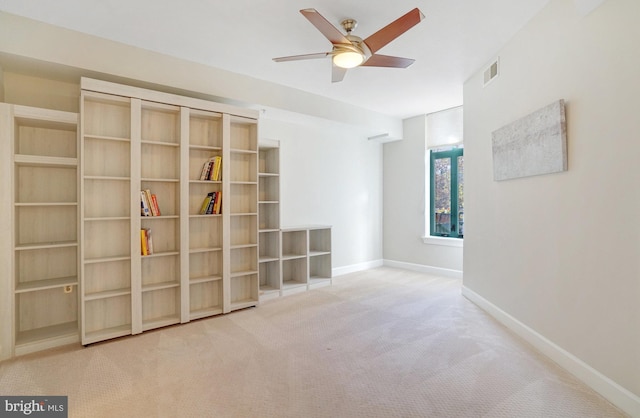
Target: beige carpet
column 379, row 343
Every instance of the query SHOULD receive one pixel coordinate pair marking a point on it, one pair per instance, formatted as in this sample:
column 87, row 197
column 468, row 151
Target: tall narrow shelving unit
column 45, row 233
column 240, row 172
column 269, row 218
column 160, row 156
column 204, row 259
column 110, row 191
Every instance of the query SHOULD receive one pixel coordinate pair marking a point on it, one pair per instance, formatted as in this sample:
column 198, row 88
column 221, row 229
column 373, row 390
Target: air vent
column 491, row 72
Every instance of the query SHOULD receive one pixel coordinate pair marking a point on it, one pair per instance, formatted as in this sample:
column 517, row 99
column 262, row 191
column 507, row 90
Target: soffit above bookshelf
column 101, row 86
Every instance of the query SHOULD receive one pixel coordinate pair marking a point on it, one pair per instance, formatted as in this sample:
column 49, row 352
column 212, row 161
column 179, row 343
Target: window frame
column 452, row 153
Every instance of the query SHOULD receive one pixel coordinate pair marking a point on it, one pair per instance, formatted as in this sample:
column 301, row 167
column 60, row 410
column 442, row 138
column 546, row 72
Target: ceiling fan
column 350, row 51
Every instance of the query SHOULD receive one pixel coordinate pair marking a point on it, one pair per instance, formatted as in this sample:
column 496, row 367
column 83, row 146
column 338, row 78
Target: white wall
column 405, row 204
column 559, row 253
column 330, row 175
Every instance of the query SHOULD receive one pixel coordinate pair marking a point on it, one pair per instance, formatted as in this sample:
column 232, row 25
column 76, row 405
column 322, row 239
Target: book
column 217, row 209
column 154, row 204
column 143, row 242
column 145, row 210
column 149, row 241
column 209, row 210
column 217, row 168
column 149, row 201
column 205, row 170
column 205, row 203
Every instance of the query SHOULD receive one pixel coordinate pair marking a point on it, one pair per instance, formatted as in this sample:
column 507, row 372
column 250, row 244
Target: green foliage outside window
column 447, row 193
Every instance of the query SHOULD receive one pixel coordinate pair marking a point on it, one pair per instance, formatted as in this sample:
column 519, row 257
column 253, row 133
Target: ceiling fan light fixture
column 348, row 59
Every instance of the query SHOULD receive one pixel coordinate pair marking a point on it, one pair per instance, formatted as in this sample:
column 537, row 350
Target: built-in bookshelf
column 110, row 189
column 205, row 256
column 45, row 227
column 143, row 270
column 242, row 203
column 269, row 218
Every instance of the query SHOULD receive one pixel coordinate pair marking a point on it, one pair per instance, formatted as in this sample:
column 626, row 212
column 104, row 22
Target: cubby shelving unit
column 306, row 258
column 133, row 140
column 45, row 227
column 269, row 217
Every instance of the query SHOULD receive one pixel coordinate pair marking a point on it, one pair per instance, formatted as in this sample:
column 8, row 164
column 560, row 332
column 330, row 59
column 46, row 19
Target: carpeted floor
column 379, row 343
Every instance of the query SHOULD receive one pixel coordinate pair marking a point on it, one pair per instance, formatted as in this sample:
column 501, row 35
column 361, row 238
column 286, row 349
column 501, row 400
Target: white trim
column 436, row 271
column 339, row 271
column 444, row 241
column 612, row 391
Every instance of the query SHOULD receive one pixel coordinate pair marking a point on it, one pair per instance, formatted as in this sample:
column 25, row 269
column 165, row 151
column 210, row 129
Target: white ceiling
column 456, row 38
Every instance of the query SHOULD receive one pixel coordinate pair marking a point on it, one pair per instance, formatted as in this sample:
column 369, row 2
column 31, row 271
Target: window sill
column 444, row 241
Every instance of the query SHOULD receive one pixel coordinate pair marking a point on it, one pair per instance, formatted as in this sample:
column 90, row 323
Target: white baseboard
column 613, row 392
column 436, row 271
column 339, row 271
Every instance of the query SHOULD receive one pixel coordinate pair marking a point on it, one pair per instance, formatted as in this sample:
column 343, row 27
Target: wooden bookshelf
column 202, row 264
column 45, row 236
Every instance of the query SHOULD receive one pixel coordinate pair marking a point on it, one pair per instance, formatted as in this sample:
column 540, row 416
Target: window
column 447, row 192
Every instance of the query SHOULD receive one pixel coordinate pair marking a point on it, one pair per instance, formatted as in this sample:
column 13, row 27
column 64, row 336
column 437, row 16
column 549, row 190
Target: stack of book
column 146, row 243
column 212, row 204
column 149, row 203
column 212, row 169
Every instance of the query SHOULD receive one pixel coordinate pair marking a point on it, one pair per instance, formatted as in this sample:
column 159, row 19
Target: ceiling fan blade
column 337, row 73
column 393, row 30
column 325, row 27
column 377, row 60
column 303, row 57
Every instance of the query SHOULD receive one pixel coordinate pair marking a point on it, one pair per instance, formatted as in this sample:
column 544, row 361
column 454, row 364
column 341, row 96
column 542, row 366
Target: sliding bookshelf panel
column 106, row 160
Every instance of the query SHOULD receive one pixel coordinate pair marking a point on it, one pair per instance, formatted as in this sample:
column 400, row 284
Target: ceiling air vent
column 491, row 72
